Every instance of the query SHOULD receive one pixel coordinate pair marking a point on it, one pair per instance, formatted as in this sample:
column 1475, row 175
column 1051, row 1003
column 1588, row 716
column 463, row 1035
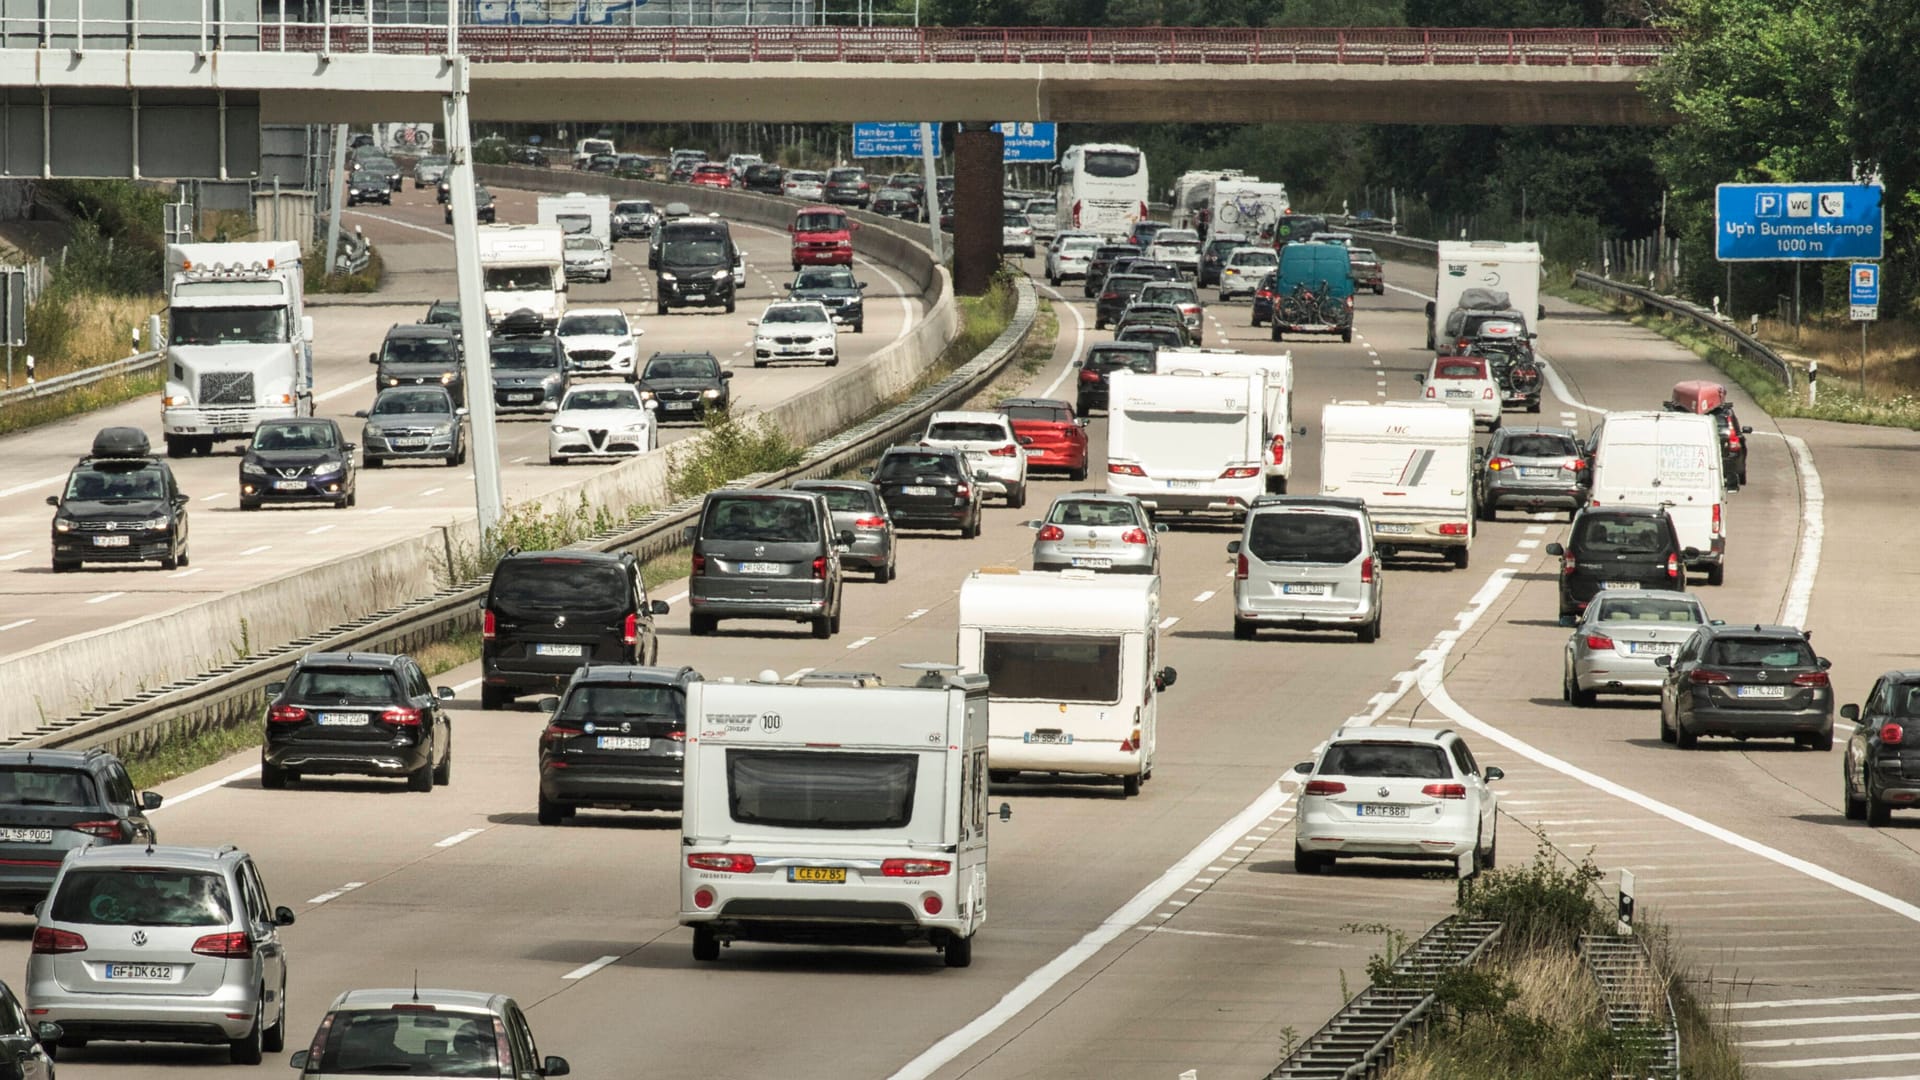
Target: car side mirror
column 150, row 800
column 1419, row 377
column 53, row 500
column 1825, row 663
column 725, row 375
column 1304, row 768
column 753, row 322
column 49, row 1032
column 657, row 607
column 283, row 916
column 349, row 447
column 863, row 286
column 1556, row 549
column 690, row 533
column 650, row 404
column 555, row 1066
column 1663, row 661
column 1162, row 527
column 1033, row 524
column 273, row 688
column 1233, row 547
column 179, row 501
column 373, row 358
column 1165, row 678
column 1850, row 712
column 1746, row 431
column 1026, row 440
column 461, row 411
column 549, row 704
column 298, row 1060
column 444, row 693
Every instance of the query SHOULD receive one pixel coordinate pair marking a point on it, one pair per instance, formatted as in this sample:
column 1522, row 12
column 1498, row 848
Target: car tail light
column 1126, row 470
column 914, row 867
column 1430, row 392
column 557, row 731
column 1089, row 375
column 401, row 717
column 319, row 1044
column 1577, row 464
column 106, row 829
column 48, row 940
column 630, row 630
column 1134, row 536
column 702, row 899
column 1702, row 678
column 502, row 1042
column 1733, row 440
column 1499, row 463
column 1568, row 564
column 1445, row 791
column 820, row 568
column 234, row 946
column 1240, row 472
column 1716, row 519
column 1454, row 528
column 1890, row 735
column 962, row 491
column 870, row 523
column 1110, row 296
column 1599, row 641
column 726, row 863
column 1052, row 532
column 1673, row 567
column 1366, row 571
column 699, row 565
column 1278, row 449
column 290, row 714
column 487, row 624
column 1812, row 678
column 1461, row 345
column 1325, row 787
column 1076, row 211
column 1008, row 450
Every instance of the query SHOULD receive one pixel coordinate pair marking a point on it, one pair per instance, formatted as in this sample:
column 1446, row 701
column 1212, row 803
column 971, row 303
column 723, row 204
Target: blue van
column 1313, row 291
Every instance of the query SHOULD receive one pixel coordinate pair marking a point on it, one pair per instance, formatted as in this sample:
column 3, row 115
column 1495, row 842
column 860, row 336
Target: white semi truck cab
column 239, row 343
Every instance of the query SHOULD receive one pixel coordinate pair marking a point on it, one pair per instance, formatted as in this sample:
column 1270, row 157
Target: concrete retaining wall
column 69, row 677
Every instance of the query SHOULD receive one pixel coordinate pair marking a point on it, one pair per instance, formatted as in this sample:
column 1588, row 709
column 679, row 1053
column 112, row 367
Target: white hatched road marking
column 15, row 624
column 104, row 597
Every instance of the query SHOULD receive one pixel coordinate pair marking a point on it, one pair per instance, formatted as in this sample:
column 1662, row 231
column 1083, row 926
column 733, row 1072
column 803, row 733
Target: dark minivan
column 765, row 555
column 615, row 740
column 1619, row 547
column 550, row 612
column 419, row 355
column 1103, row 360
column 694, row 259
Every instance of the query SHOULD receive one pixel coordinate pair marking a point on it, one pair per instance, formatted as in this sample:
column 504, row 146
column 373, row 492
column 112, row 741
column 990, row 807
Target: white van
column 1411, row 462
column 1276, row 372
column 1672, row 460
column 1191, row 443
column 849, row 812
column 1072, row 661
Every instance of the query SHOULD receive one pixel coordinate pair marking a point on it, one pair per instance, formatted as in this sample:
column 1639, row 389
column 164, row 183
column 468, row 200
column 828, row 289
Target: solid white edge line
column 1130, row 914
column 18, row 489
column 213, row 785
column 1079, row 338
column 1813, row 531
column 585, row 970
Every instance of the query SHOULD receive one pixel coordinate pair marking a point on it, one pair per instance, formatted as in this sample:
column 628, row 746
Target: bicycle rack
column 1639, row 1008
column 1360, row 1038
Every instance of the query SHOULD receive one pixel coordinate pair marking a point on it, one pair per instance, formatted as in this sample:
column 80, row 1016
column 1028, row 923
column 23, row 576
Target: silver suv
column 161, row 944
column 1306, row 562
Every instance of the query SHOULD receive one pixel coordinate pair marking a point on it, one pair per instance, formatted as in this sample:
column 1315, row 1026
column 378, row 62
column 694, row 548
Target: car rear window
column 1387, row 760
column 46, row 787
column 820, row 790
column 661, row 710
column 895, row 468
column 419, row 350
column 773, row 521
column 965, row 431
column 1460, row 369
column 1304, row 538
column 142, row 896
column 342, row 685
column 1052, row 667
column 384, row 1042
column 1136, row 360
column 533, row 586
column 1538, row 446
column 1056, row 414
column 1651, row 608
column 1759, row 652
column 1091, row 512
column 1608, row 534
column 846, row 500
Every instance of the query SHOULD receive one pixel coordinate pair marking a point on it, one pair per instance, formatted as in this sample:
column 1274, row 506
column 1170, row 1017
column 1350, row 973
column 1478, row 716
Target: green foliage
column 34, row 412
column 1542, row 903
column 115, row 243
column 528, row 527
column 732, row 448
column 1885, row 129
column 490, row 151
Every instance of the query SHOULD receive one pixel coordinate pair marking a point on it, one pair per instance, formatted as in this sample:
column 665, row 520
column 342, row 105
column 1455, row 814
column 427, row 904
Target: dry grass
column 1893, row 352
column 44, row 410
column 438, row 657
column 93, row 328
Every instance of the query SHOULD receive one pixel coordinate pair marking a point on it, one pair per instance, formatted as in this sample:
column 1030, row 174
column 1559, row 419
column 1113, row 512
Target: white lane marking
column 12, row 555
column 1204, row 597
column 916, row 613
column 585, row 970
column 104, row 597
column 1130, row 914
column 677, row 597
column 444, row 234
column 1817, row 1021
column 44, row 481
column 432, row 491
column 1519, row 559
column 1528, row 544
column 461, row 688
column 15, row 624
column 215, row 495
column 189, row 572
column 1813, row 531
column 521, row 460
column 1814, row 1063
column 459, row 837
column 1169, row 621
column 1079, row 339
column 257, row 550
column 317, row 530
column 1415, row 293
column 1829, row 1040
column 1552, row 372
column 212, row 785
column 860, row 644
column 379, row 510
column 335, row 894
column 1434, row 656
column 906, row 304
column 1536, row 530
column 1196, row 933
column 1800, row 1003
column 345, row 388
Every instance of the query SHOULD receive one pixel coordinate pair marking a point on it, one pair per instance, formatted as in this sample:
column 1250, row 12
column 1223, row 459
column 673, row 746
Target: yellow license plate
column 831, row 875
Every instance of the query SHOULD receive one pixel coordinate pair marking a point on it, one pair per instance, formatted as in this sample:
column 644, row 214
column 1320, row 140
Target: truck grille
column 226, row 388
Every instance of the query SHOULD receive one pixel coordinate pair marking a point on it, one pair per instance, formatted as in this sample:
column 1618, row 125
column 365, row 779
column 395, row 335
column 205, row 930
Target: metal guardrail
column 1639, row 1006
column 1736, row 339
column 100, row 372
column 1360, row 1038
column 235, row 691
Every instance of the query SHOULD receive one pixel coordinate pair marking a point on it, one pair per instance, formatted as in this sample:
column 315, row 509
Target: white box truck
column 1276, row 373
column 578, row 214
column 1668, row 459
column 1246, row 205
column 523, row 268
column 1411, row 462
column 239, row 342
column 846, row 812
column 1191, row 443
column 1072, row 667
column 1494, row 265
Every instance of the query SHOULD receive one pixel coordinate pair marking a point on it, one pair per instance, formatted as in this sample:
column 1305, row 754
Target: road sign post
column 1863, row 303
column 1626, row 902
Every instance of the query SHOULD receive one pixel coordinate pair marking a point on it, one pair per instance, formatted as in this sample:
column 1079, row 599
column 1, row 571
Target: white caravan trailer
column 1276, row 372
column 1411, row 462
column 1191, row 443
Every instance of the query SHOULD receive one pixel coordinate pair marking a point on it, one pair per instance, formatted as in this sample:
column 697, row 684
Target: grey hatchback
column 858, row 508
column 1531, row 469
column 765, row 555
column 1746, row 682
column 1097, row 531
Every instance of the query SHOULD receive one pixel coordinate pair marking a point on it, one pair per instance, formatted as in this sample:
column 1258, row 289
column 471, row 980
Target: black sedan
column 1746, row 682
column 835, row 287
column 303, row 460
column 528, row 155
column 1881, row 771
column 1116, row 296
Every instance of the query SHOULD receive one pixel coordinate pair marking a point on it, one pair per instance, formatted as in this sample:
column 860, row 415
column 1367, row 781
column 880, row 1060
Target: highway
column 1144, row 937
column 231, row 550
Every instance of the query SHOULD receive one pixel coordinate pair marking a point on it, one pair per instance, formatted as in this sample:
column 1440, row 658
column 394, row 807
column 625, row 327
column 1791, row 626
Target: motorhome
column 1191, row 443
column 239, row 342
column 1668, row 459
column 1189, row 197
column 523, row 267
column 1276, row 373
column 1072, row 666
column 578, row 214
column 1244, row 204
column 836, row 811
column 1494, row 265
column 1411, row 462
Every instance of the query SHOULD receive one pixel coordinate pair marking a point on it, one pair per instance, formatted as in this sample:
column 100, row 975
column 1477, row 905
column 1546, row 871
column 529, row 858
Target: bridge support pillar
column 978, row 181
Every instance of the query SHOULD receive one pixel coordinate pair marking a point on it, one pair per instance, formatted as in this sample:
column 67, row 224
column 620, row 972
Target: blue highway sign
column 891, row 140
column 1802, row 222
column 1027, row 140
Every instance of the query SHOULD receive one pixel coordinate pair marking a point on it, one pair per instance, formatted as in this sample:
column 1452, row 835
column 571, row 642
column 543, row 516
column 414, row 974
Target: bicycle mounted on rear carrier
column 1311, row 311
column 1518, row 377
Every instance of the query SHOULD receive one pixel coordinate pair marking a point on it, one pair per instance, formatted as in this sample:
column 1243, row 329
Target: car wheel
column 1682, row 738
column 421, row 779
column 550, row 812
column 660, row 308
column 860, row 326
column 443, row 772
column 1078, row 474
column 1370, row 633
column 1666, row 729
column 373, row 463
column 1243, row 629
column 1717, row 574
column 62, row 566
column 1303, row 863
column 971, row 529
column 273, row 777
column 834, row 360
column 1581, row 699
column 1879, row 814
column 1821, row 741
column 1459, row 556
column 1854, row 808
column 551, row 460
column 706, row 946
column 1347, row 336
column 1017, row 498
column 1533, row 405
column 247, row 1049
column 1130, row 786
column 1276, row 332
column 729, row 303
column 1492, row 855
column 249, row 504
column 274, row 1039
column 170, row 562
column 495, row 697
column 885, row 573
column 822, row 627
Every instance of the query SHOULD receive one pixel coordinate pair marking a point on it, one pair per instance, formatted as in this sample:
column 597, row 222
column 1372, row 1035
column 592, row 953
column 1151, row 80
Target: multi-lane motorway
column 1144, row 937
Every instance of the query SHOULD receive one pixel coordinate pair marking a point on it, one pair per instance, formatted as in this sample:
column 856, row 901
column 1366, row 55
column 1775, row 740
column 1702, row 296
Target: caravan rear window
column 820, row 790
column 1052, row 667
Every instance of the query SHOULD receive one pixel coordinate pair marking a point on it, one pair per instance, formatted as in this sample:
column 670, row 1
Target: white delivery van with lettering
column 845, row 812
column 1411, row 462
column 1666, row 459
column 1276, row 373
column 1191, row 443
column 1071, row 660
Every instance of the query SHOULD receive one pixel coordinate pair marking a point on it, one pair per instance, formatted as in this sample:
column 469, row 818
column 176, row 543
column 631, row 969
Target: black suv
column 847, row 187
column 1881, row 771
column 550, row 612
column 1619, row 547
column 52, row 801
column 1747, row 682
column 835, row 288
column 121, row 505
column 363, row 714
column 763, row 177
column 529, row 370
column 615, row 741
column 686, row 384
column 1104, row 359
column 929, row 487
column 483, row 209
column 418, row 354
column 1116, row 296
column 762, row 554
column 304, row 460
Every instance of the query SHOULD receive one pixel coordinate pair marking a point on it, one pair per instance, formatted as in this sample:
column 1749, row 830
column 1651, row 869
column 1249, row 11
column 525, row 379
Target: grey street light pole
column 488, row 500
column 931, row 202
column 336, row 183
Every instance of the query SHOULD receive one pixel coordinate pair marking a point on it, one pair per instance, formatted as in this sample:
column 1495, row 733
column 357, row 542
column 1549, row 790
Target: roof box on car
column 121, row 442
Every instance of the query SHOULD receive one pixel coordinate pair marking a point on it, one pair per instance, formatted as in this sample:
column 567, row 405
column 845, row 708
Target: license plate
column 523, row 397
column 1303, row 589
column 1048, row 738
column 916, row 491
column 624, row 742
column 679, row 406
column 111, row 541
column 1526, row 471
column 824, row 875
column 341, row 719
column 1377, row 810
column 1653, row 648
column 545, row 649
column 760, row 567
column 289, row 485
column 1182, row 484
column 148, row 972
column 1760, row 691
column 1620, row 585
column 1394, row 530
column 696, row 296
column 1459, row 393
column 1093, row 564
column 1031, row 452
column 26, row 836
column 409, row 444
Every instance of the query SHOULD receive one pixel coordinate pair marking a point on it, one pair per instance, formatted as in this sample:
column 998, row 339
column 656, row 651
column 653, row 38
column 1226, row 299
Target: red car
column 713, row 175
column 1052, row 438
column 822, row 236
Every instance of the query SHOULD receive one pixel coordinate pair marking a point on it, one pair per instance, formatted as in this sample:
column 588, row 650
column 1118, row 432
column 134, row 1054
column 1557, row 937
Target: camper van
column 1276, row 372
column 1493, row 266
column 1072, row 664
column 837, row 811
column 1411, row 462
column 1667, row 459
column 1191, row 443
column 578, row 214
